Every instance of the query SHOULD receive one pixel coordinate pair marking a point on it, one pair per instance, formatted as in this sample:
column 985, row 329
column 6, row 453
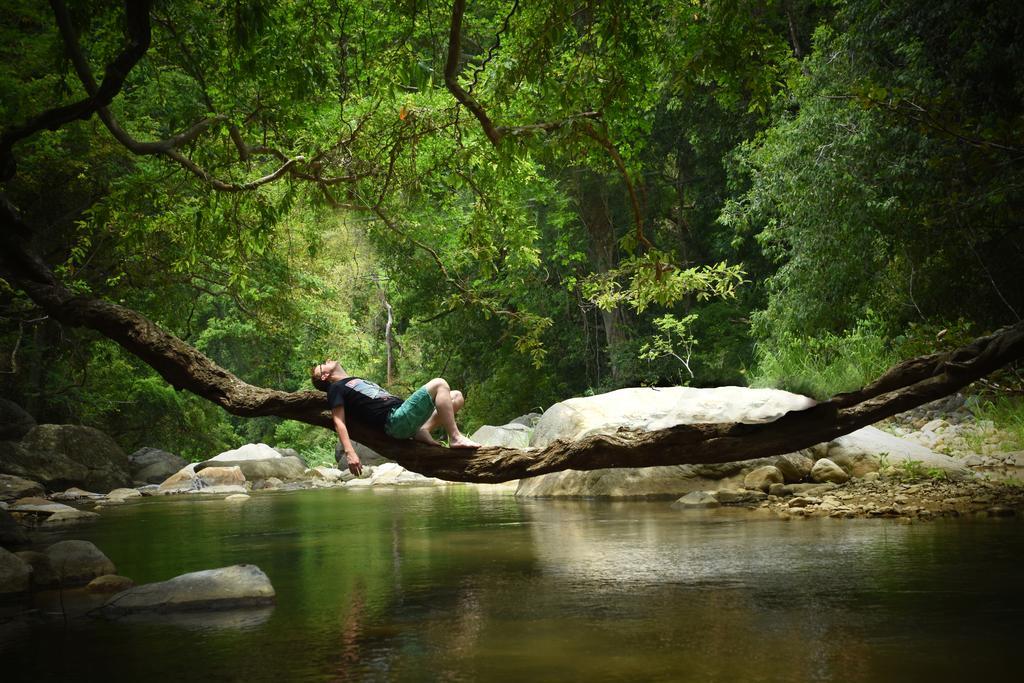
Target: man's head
column 322, row 374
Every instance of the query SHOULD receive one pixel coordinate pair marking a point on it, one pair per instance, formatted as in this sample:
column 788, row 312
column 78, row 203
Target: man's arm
column 354, row 466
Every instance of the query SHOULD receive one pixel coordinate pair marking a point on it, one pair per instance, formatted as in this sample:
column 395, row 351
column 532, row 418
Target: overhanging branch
column 907, row 385
column 139, row 37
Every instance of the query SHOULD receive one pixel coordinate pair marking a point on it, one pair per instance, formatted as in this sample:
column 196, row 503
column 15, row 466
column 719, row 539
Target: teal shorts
column 407, row 418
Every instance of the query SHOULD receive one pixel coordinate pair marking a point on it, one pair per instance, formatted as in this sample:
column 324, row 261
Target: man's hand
column 354, row 466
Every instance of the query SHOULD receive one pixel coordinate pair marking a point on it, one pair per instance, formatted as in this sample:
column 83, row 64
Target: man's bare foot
column 423, row 436
column 462, row 442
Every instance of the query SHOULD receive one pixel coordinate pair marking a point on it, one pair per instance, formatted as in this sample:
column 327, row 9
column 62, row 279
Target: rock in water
column 76, row 563
column 109, row 583
column 241, row 585
column 15, row 574
column 284, row 468
column 698, row 500
column 12, row 488
column 826, row 470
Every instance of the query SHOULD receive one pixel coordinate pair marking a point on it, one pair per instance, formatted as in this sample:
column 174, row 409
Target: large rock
column 153, row 466
column 529, row 420
column 250, row 451
column 53, row 470
column 208, row 480
column 284, row 468
column 242, row 585
column 14, row 421
column 367, row 455
column 13, row 487
column 861, row 451
column 105, row 463
column 76, row 563
column 15, row 575
column 649, row 409
column 182, row 481
column 511, row 435
column 292, row 453
column 652, row 409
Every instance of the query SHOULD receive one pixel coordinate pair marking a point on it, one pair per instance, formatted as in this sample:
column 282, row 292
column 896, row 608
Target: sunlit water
column 453, row 584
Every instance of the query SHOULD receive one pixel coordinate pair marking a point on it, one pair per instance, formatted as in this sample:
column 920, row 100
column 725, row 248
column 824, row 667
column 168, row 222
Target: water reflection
column 456, row 585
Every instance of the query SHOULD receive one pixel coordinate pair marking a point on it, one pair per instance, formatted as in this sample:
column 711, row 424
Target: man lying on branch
column 432, row 405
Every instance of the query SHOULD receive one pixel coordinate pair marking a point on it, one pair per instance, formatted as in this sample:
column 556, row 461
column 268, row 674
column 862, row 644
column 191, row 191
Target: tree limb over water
column 906, row 385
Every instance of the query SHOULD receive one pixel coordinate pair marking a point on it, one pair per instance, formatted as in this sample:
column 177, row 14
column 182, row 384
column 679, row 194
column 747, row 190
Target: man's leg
column 444, row 412
column 458, row 400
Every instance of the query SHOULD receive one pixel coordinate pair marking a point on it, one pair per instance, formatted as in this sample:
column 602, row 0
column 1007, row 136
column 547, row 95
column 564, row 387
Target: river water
column 456, row 584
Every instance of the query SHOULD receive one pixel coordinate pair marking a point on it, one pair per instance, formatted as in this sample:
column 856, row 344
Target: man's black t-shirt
column 363, row 400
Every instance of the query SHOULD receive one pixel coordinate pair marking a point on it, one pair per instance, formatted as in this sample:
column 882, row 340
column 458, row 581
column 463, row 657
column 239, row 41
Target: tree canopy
column 532, row 200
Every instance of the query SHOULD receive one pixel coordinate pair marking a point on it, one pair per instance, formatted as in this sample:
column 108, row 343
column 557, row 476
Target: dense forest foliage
column 534, row 200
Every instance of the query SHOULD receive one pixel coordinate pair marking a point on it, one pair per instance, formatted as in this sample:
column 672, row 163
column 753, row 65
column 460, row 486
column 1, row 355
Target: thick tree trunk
column 905, row 386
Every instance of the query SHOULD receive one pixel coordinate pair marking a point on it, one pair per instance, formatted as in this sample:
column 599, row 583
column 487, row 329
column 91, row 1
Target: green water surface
column 455, row 584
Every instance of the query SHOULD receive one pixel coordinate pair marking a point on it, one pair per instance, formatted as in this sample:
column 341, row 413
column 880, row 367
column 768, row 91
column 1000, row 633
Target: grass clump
column 825, row 365
column 1007, row 415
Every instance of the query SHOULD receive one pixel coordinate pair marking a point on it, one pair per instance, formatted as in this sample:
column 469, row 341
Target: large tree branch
column 907, row 385
column 139, row 37
column 451, row 75
column 451, row 80
column 170, row 147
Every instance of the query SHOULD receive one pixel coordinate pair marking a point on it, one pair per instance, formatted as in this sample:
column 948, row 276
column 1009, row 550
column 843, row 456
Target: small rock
column 780, row 490
column 794, row 466
column 109, row 583
column 827, row 471
column 75, row 493
column 123, row 494
column 70, row 517
column 802, row 502
column 870, row 476
column 739, row 496
column 761, row 478
column 326, row 473
column 697, row 499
